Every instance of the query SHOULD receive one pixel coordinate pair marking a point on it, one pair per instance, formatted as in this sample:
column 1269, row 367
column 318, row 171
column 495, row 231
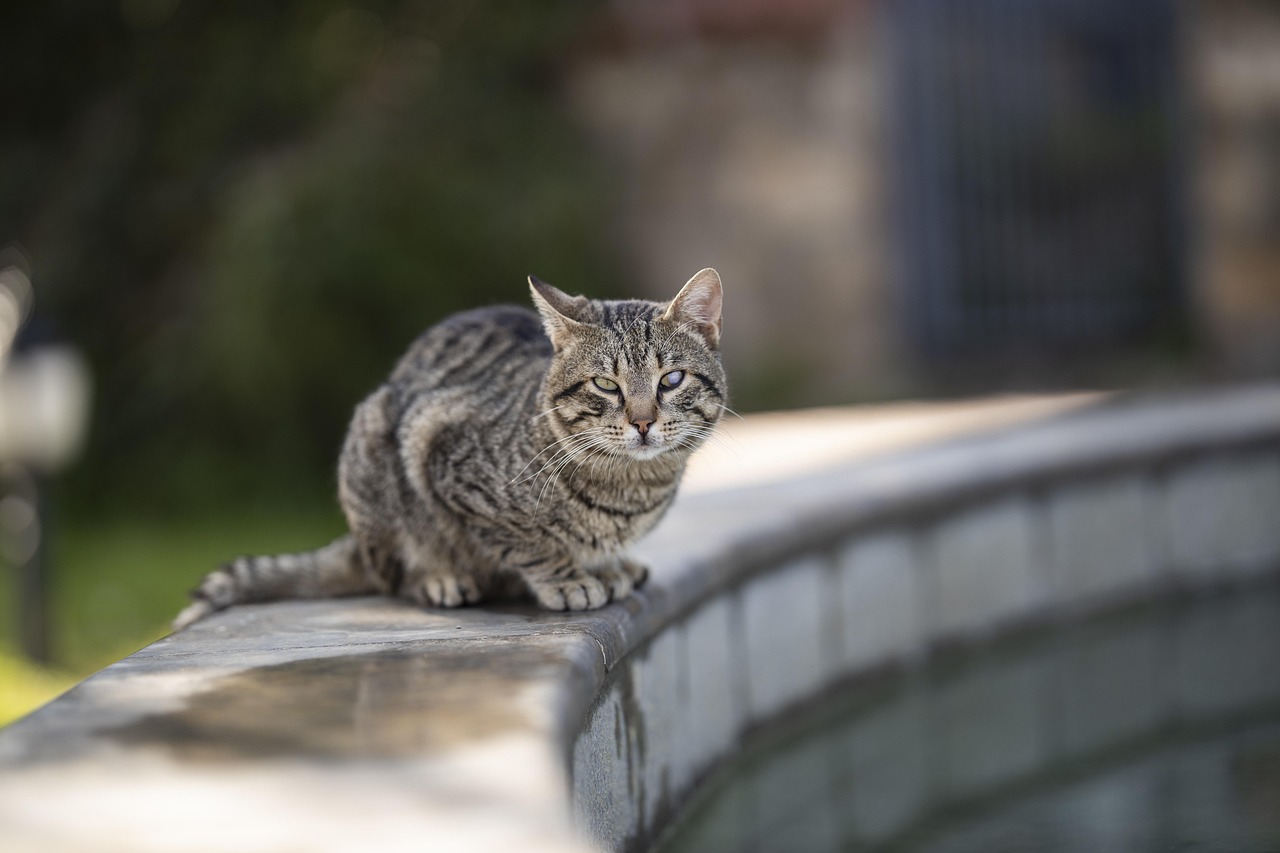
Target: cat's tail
column 328, row 572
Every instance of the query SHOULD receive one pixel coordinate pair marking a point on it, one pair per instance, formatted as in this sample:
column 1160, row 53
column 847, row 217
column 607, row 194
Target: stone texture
column 784, row 618
column 1210, row 680
column 898, row 758
column 985, row 569
column 1222, row 515
column 880, row 598
column 1254, row 540
column 660, row 699
column 726, row 824
column 890, row 760
column 1100, row 541
column 1196, row 519
column 716, row 709
column 1112, row 685
column 992, row 724
column 790, row 810
column 603, row 804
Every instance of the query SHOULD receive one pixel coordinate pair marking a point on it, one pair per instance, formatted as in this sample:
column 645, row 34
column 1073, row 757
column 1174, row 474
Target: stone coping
column 368, row 723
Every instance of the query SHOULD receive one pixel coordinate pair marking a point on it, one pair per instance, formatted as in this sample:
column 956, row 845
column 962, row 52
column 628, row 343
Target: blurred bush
column 245, row 211
column 26, row 686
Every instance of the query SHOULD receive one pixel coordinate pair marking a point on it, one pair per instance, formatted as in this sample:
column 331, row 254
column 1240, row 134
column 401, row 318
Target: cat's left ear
column 698, row 304
column 559, row 311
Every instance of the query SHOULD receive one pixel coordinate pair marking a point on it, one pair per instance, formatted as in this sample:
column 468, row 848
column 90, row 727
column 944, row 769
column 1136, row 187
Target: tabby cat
column 509, row 446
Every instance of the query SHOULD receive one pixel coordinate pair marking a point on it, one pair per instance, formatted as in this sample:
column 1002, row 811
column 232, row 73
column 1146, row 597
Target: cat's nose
column 642, row 424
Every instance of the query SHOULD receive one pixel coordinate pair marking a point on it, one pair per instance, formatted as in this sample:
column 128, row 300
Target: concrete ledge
column 366, row 724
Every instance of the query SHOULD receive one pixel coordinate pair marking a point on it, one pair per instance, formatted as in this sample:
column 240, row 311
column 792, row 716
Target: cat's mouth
column 646, row 445
column 647, row 450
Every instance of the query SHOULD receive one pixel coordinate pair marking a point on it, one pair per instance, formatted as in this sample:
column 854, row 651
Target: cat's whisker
column 593, row 452
column 575, row 448
column 579, row 450
column 564, row 443
column 550, row 479
column 712, row 436
column 710, row 429
column 547, row 412
column 724, row 447
column 554, row 462
column 554, row 443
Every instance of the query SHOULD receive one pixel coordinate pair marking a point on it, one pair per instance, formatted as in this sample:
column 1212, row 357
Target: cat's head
column 633, row 378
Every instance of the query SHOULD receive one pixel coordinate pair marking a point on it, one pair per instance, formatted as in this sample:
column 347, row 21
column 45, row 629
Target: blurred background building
column 242, row 212
column 951, row 195
column 1232, row 77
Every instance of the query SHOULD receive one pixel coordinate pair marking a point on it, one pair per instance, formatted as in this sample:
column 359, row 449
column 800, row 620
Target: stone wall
column 367, row 723
column 982, row 538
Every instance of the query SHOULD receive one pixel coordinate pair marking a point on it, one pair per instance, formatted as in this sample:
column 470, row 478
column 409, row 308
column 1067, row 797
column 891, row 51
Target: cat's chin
column 645, row 452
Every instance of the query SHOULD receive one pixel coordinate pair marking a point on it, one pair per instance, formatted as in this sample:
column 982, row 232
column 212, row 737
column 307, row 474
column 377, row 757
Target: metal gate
column 1035, row 151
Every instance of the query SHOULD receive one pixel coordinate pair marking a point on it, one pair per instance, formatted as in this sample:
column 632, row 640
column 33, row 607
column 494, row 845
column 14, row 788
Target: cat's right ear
column 558, row 310
column 698, row 305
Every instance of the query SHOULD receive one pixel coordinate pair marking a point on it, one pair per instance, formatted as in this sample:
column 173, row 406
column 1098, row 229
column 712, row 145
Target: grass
column 25, row 686
column 116, row 582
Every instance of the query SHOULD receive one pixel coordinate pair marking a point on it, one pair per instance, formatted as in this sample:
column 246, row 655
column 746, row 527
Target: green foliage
column 25, row 686
column 117, row 583
column 244, row 212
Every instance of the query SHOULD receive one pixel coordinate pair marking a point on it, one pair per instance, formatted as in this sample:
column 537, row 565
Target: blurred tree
column 245, row 211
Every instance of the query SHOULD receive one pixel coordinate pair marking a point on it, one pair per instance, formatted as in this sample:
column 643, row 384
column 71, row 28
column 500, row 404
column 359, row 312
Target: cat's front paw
column 588, row 589
column 581, row 591
column 636, row 570
column 622, row 577
column 441, row 589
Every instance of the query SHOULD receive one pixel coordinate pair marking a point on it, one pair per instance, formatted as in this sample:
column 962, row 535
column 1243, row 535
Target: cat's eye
column 672, row 379
column 605, row 384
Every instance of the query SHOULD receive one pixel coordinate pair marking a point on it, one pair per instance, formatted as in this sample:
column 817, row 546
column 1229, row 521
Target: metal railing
column 1035, row 147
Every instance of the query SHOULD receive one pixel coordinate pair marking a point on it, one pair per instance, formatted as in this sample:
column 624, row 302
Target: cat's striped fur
column 511, row 449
